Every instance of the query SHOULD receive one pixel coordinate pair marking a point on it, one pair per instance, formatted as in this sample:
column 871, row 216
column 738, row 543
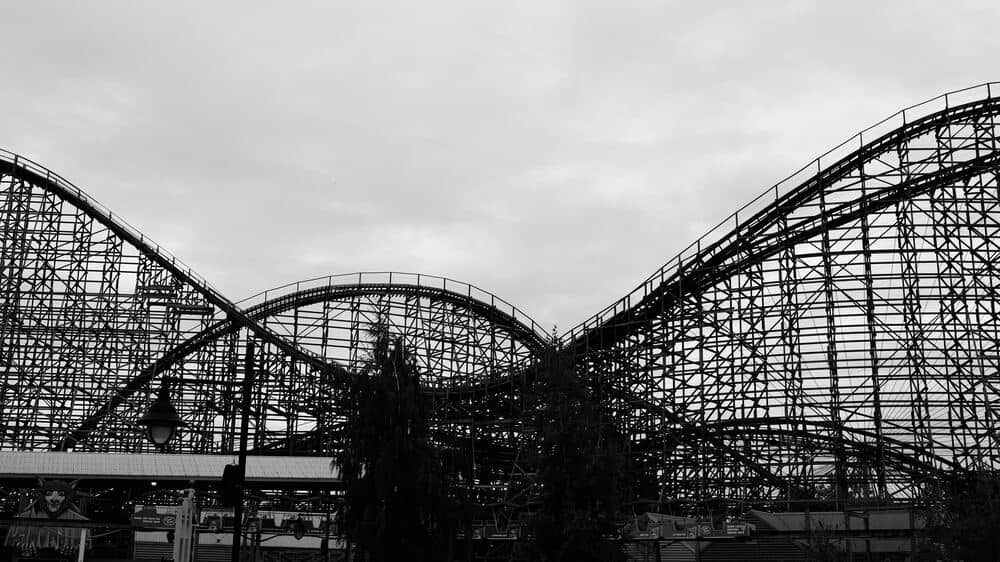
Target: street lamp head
column 161, row 420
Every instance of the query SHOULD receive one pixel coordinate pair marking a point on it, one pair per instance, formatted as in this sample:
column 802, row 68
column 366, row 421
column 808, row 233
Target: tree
column 582, row 471
column 963, row 516
column 397, row 506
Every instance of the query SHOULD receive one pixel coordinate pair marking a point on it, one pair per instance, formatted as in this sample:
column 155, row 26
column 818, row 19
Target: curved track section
column 857, row 302
column 506, row 329
column 86, row 301
column 471, row 347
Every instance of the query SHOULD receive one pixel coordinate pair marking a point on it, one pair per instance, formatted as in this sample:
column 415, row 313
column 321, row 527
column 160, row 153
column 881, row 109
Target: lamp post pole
column 161, row 421
column 248, row 377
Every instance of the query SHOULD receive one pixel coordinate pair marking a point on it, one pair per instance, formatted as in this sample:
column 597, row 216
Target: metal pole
column 326, row 538
column 248, row 376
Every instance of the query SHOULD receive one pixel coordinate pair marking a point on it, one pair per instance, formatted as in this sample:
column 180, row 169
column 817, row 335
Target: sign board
column 705, row 530
column 153, row 519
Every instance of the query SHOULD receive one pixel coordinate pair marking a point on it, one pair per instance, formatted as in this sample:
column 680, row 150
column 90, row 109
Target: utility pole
column 248, row 377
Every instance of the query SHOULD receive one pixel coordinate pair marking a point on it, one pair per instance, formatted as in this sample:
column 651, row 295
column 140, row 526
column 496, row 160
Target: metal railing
column 401, row 279
column 103, row 214
column 731, row 224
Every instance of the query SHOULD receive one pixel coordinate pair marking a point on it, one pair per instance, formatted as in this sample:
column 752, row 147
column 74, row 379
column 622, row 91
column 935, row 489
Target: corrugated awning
column 262, row 471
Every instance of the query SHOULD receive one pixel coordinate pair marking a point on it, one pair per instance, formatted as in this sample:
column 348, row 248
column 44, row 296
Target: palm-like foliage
column 397, row 506
column 581, row 467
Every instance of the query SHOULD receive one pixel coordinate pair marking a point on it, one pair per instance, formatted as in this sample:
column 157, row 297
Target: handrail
column 51, row 181
column 399, row 278
column 17, row 160
column 731, row 223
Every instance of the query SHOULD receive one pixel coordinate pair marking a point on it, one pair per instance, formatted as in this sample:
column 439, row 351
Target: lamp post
column 162, row 421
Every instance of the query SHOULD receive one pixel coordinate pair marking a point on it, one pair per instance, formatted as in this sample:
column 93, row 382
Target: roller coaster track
column 743, row 246
column 851, row 311
column 935, row 162
column 26, row 170
column 526, row 333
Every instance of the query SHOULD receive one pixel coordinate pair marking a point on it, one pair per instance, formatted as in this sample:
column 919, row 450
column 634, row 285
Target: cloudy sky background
column 553, row 153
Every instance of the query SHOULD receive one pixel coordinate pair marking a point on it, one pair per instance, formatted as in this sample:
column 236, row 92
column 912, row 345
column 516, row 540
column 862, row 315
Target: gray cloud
column 553, row 153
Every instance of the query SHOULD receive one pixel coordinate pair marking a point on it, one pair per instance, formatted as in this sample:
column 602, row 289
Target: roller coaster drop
column 836, row 338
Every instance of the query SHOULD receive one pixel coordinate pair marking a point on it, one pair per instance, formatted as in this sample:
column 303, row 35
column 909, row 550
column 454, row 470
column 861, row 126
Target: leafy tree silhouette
column 396, row 502
column 582, row 471
column 963, row 516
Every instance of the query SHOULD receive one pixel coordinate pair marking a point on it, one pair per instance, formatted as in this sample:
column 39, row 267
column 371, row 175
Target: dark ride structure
column 834, row 340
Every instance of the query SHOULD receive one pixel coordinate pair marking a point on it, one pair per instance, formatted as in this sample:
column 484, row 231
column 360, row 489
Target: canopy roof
column 92, row 468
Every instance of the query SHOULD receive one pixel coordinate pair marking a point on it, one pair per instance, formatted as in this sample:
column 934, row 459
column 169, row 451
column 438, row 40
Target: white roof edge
column 134, row 466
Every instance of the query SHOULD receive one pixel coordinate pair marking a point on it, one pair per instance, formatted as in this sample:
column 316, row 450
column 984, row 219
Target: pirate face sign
column 54, row 500
column 56, row 496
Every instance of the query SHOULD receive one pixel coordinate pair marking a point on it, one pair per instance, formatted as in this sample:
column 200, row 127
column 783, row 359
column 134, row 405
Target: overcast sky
column 552, row 153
